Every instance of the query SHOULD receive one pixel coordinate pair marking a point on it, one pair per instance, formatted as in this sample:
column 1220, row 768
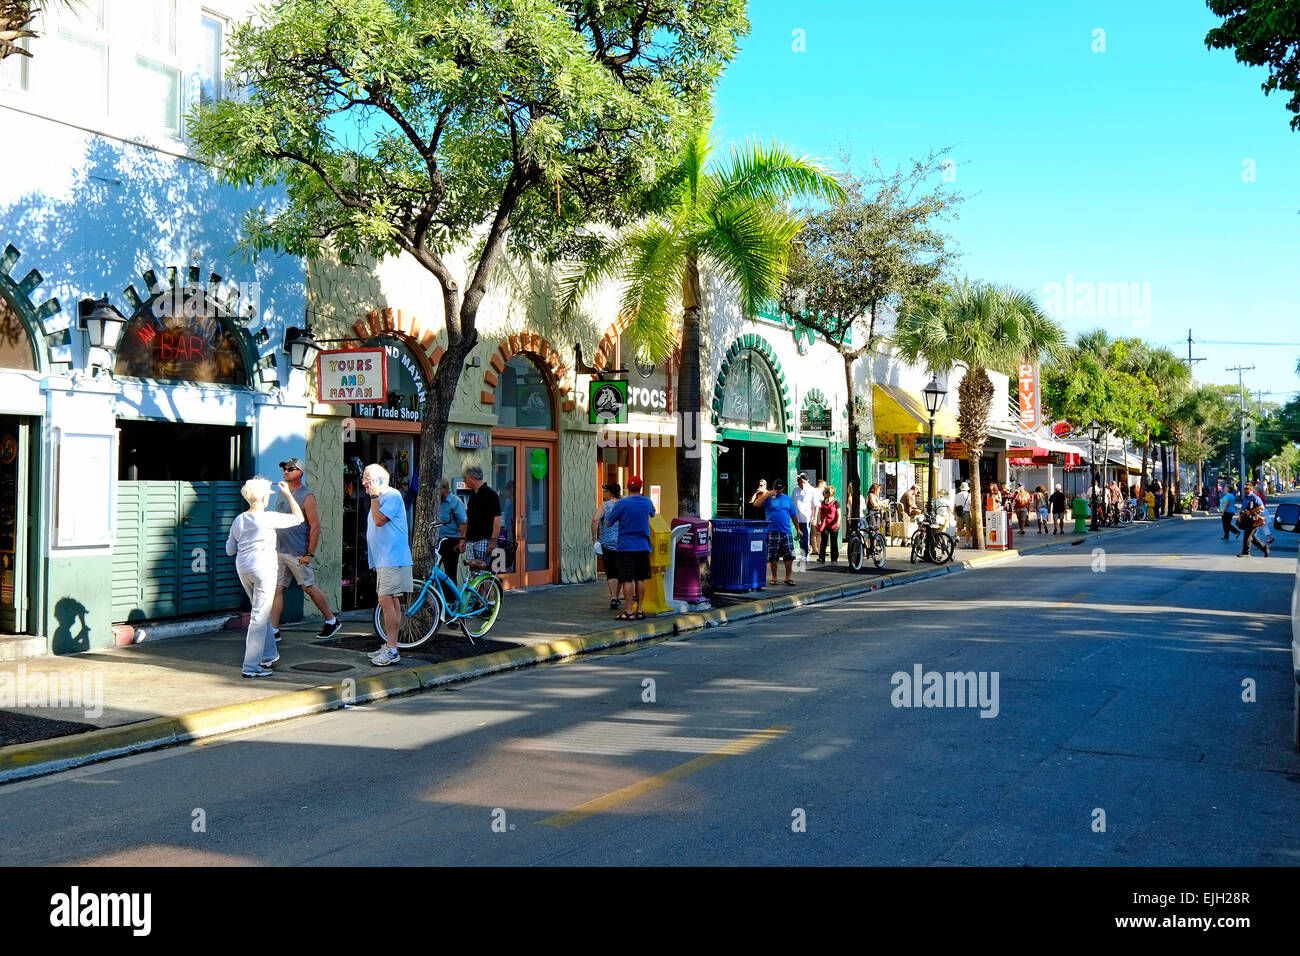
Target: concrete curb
column 22, row 761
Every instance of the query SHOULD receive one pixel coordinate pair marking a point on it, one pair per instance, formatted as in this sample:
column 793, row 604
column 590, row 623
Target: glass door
column 536, row 513
column 504, row 482
column 522, row 476
column 15, row 439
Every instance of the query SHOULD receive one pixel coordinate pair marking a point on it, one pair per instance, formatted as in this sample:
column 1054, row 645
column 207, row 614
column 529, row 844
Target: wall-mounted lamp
column 302, row 348
column 473, row 362
column 102, row 322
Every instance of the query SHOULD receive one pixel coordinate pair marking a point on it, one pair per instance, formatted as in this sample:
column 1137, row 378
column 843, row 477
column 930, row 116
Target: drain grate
column 322, row 667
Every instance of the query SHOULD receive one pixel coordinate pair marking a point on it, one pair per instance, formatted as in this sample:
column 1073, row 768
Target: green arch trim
column 754, row 342
column 32, row 316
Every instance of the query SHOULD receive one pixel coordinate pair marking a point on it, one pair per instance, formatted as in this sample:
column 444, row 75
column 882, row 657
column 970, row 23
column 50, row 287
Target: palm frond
column 761, row 171
column 653, row 269
column 748, row 242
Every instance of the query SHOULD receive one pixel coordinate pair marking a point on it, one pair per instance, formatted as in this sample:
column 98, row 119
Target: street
column 1133, row 708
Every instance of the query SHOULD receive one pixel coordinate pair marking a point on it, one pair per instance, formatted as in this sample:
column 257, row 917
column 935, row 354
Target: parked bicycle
column 930, row 542
column 865, row 541
column 440, row 600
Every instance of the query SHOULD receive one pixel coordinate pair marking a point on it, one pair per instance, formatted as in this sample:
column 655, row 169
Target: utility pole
column 1191, row 361
column 1241, row 404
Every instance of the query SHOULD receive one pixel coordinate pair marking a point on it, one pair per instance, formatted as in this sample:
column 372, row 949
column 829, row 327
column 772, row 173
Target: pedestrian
column 910, row 502
column 254, row 544
column 483, row 520
column 806, row 503
column 780, row 517
column 449, row 531
column 1021, row 501
column 1149, row 506
column 631, row 515
column 1251, row 520
column 388, row 551
column 1056, row 501
column 1040, row 508
column 296, row 547
column 1229, row 512
column 961, row 505
column 943, row 512
column 828, row 525
column 993, row 500
column 605, row 537
column 817, row 498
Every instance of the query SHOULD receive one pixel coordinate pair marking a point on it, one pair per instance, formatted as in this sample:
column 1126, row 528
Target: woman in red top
column 828, row 523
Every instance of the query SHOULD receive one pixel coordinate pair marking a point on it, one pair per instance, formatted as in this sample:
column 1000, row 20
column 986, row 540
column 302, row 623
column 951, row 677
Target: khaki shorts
column 290, row 568
column 394, row 581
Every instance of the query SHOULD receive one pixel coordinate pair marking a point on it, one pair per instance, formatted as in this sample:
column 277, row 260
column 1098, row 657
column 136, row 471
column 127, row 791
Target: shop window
column 524, row 397
column 184, row 346
column 178, row 451
column 14, row 68
column 749, row 397
column 78, row 79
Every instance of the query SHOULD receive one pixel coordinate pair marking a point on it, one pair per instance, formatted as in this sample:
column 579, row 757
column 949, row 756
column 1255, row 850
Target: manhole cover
column 323, row 667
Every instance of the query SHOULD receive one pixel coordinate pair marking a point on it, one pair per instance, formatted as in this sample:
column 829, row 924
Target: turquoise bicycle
column 476, row 607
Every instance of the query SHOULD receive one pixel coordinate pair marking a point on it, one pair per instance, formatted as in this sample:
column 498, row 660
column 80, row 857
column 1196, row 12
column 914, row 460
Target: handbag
column 1245, row 519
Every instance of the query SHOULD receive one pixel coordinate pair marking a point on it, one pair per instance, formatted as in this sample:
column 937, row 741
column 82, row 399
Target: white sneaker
column 385, row 656
column 261, row 672
column 273, row 660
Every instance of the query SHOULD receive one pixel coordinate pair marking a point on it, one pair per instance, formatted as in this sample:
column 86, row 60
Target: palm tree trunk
column 1146, row 453
column 687, row 403
column 974, row 399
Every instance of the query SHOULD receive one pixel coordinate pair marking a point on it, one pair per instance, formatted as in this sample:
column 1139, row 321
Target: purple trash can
column 692, row 560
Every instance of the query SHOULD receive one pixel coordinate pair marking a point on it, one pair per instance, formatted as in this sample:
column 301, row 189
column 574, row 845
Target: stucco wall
column 325, row 478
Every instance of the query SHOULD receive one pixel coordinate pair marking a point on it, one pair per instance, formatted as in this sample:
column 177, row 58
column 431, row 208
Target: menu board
column 85, row 489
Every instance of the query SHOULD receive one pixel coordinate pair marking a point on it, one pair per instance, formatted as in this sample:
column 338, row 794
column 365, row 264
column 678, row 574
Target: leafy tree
column 429, row 127
column 983, row 327
column 874, row 253
column 1199, row 412
column 729, row 219
column 1263, row 33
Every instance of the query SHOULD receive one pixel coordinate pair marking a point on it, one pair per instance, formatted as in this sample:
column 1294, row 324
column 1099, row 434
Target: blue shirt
column 386, row 545
column 632, row 515
column 780, row 512
column 451, row 515
column 1229, row 502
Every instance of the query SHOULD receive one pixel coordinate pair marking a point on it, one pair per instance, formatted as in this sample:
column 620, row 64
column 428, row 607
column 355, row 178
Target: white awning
column 1037, row 439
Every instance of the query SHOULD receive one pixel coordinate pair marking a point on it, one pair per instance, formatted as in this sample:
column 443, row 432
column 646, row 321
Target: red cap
column 634, row 483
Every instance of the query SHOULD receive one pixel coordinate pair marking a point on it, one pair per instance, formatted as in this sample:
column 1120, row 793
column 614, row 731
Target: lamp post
column 1094, row 432
column 934, row 394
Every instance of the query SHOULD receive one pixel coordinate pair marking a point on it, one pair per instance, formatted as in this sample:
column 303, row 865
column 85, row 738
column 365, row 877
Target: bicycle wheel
column 878, row 550
column 918, row 546
column 417, row 625
column 1126, row 517
column 943, row 547
column 855, row 551
column 483, row 597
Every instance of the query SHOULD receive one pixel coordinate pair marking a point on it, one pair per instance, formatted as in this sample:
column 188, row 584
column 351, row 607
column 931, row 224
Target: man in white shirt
column 805, row 506
column 961, row 504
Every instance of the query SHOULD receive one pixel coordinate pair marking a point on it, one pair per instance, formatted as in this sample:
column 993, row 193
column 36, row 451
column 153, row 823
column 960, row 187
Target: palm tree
column 18, row 22
column 982, row 326
column 731, row 221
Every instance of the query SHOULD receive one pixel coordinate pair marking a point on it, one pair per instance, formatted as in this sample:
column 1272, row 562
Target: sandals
column 615, row 604
column 789, row 583
column 640, row 616
column 626, row 616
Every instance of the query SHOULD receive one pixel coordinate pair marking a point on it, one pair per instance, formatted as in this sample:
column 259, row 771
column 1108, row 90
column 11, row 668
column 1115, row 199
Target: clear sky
column 1082, row 167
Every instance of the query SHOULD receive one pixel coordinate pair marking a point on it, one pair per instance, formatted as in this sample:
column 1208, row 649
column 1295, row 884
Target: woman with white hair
column 253, row 541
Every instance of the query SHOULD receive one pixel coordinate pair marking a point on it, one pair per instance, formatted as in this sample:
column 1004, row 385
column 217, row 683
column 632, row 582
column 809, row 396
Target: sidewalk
column 127, row 699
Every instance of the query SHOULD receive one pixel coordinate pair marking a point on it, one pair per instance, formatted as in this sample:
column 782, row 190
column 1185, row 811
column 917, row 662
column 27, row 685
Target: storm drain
column 321, row 667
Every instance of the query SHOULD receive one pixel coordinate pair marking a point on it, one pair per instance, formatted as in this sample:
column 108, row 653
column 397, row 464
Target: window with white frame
column 157, row 73
column 14, row 69
column 212, row 72
column 79, row 57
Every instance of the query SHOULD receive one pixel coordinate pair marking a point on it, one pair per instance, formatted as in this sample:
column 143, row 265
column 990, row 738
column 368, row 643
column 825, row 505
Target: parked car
column 1287, row 518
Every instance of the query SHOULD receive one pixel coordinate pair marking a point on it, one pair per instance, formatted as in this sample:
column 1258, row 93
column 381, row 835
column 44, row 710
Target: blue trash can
column 756, row 555
column 738, row 555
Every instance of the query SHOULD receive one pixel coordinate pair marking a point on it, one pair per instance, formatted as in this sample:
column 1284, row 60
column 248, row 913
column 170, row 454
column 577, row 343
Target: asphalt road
column 1119, row 693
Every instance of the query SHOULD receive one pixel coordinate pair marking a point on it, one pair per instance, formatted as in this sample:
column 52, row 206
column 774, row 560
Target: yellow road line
column 649, row 784
column 1070, row 600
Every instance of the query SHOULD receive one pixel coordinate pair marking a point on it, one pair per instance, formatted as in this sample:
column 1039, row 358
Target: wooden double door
column 525, row 475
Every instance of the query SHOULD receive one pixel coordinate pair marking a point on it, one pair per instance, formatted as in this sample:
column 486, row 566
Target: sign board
column 189, row 344
column 85, row 490
column 471, row 439
column 955, row 450
column 607, row 402
column 656, row 493
column 1029, row 416
column 647, row 383
column 814, row 416
column 358, row 376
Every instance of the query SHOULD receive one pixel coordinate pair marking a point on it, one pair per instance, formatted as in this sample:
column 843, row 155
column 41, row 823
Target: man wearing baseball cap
column 297, row 548
column 632, row 516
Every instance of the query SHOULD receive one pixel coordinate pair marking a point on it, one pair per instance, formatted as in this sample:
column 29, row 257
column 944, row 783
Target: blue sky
column 1082, row 167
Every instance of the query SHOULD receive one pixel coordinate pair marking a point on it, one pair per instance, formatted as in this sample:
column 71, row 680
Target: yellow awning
column 900, row 412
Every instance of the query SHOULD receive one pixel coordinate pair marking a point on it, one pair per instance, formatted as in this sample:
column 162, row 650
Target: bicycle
column 865, row 540
column 478, row 602
column 930, row 542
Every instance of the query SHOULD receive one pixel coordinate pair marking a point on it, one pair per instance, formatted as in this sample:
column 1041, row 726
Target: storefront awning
column 899, row 412
column 1024, row 445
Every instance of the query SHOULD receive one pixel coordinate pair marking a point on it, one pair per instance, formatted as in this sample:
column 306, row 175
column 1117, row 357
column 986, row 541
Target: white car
column 1287, row 518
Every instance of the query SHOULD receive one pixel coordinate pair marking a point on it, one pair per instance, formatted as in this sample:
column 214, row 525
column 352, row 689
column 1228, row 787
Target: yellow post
column 660, row 545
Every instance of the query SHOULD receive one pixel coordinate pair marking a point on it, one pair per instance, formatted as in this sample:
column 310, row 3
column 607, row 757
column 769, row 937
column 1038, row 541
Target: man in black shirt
column 484, row 520
column 1057, row 501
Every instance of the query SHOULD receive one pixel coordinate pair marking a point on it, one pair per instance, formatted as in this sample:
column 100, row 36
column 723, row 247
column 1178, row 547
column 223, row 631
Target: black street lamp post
column 934, row 395
column 1094, row 432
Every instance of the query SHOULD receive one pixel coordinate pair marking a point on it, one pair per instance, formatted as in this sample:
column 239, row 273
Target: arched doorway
column 752, row 416
column 525, row 472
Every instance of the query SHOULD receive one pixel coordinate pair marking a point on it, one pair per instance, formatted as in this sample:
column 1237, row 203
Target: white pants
column 259, row 645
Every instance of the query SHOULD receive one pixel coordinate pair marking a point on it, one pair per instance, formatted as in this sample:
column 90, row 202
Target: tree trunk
column 852, row 480
column 974, row 399
column 687, row 401
column 1146, row 454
